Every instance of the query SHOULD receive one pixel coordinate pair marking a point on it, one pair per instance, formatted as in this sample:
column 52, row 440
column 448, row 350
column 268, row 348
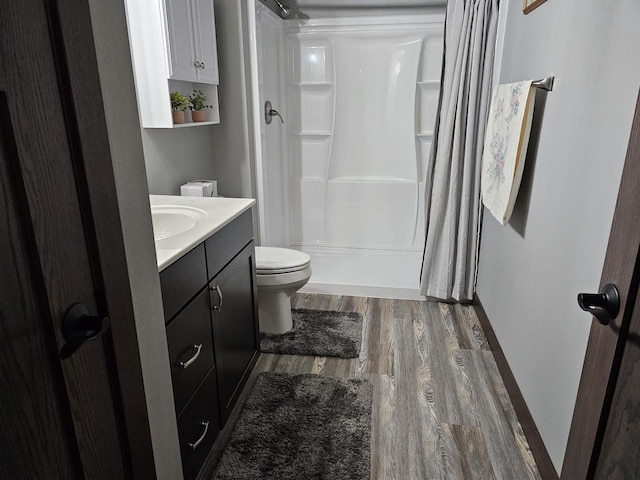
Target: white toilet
column 281, row 272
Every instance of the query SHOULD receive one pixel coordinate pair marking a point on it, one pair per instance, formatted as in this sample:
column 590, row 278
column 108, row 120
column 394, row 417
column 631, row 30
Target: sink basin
column 181, row 223
column 171, row 220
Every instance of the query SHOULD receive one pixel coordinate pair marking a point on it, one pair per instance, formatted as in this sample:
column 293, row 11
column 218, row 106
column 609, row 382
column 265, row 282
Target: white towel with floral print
column 505, row 147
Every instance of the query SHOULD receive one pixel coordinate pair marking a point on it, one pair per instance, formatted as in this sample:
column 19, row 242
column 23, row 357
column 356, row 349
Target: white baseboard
column 363, row 291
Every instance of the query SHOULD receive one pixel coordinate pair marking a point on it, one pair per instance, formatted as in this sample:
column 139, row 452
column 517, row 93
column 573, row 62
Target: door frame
column 103, row 222
column 606, row 343
column 68, row 29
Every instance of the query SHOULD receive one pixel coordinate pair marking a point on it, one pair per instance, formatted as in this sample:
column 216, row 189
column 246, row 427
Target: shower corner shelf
column 312, row 84
column 424, row 134
column 312, row 134
column 429, row 83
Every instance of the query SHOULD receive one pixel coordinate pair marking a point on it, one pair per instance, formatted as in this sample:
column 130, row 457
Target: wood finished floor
column 440, row 408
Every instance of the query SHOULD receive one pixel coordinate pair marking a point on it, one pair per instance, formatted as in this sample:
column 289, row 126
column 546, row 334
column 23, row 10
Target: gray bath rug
column 301, row 427
column 318, row 333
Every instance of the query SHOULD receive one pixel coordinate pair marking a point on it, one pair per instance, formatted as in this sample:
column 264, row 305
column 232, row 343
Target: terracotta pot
column 178, row 117
column 198, row 115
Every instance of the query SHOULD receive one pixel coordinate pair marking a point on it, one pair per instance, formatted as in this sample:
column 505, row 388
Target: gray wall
column 232, row 139
column 531, row 270
column 175, row 156
column 218, row 152
column 116, row 79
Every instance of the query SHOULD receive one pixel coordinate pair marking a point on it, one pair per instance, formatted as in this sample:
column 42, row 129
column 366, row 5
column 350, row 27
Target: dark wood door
column 620, row 450
column 61, row 418
column 234, row 326
column 607, row 403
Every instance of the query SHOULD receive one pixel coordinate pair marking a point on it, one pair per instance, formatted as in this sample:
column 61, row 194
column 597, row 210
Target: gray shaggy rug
column 301, row 427
column 319, row 333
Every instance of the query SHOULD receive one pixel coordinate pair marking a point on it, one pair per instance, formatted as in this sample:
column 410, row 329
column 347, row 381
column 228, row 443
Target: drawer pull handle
column 194, row 445
column 219, row 292
column 192, row 359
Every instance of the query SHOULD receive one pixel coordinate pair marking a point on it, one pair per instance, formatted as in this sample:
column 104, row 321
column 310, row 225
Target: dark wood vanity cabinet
column 190, row 349
column 182, row 280
column 198, row 426
column 210, row 304
column 234, row 302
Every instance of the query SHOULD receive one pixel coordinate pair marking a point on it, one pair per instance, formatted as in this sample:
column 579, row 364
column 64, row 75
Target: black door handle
column 604, row 305
column 78, row 328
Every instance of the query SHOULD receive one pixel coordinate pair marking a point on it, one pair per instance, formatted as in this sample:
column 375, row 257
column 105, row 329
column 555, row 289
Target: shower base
column 364, row 272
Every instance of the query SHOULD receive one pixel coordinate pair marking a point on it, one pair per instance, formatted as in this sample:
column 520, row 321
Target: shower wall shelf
column 427, row 96
column 313, row 101
column 312, row 134
column 312, row 84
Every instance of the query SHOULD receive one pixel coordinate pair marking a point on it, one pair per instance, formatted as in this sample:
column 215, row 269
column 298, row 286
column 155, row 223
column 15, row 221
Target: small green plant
column 179, row 103
column 197, row 100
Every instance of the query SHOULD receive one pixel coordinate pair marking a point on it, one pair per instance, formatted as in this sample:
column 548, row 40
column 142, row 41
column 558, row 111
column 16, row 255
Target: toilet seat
column 274, row 260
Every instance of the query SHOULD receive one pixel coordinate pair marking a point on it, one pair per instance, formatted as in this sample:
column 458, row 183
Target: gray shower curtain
column 453, row 208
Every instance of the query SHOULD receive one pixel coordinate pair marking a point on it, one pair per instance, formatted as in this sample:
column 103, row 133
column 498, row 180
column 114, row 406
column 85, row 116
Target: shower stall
column 340, row 173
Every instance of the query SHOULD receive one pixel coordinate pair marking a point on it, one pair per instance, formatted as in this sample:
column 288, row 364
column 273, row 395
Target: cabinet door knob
column 201, row 64
column 197, row 64
column 195, row 444
column 189, row 362
column 217, row 289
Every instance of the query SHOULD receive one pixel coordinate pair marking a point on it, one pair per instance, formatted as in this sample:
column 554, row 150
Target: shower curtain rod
column 545, row 83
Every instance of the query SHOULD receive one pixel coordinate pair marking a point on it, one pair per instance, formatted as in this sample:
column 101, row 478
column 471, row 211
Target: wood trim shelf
column 538, row 449
column 192, row 124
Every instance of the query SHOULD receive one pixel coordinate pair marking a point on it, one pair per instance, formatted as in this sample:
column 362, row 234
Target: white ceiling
column 368, row 3
column 333, row 8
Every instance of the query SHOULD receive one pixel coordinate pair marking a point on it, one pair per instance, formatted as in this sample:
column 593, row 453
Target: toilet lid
column 271, row 260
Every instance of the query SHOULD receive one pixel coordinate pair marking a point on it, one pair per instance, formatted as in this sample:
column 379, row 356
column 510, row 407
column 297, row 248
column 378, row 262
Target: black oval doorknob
column 604, row 305
column 78, row 328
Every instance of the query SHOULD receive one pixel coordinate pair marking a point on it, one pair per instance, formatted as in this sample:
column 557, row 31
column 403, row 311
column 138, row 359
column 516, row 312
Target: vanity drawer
column 190, row 348
column 198, row 426
column 225, row 244
column 182, row 280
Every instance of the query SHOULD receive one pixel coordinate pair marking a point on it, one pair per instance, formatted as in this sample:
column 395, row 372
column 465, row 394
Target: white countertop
column 194, row 218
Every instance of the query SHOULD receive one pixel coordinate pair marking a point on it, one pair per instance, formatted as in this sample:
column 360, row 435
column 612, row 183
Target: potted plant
column 197, row 104
column 179, row 103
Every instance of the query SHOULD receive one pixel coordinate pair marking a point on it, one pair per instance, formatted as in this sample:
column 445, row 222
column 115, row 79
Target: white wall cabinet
column 173, row 47
column 191, row 34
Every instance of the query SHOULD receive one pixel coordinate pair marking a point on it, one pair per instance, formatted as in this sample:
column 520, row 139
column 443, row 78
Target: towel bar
column 545, row 83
